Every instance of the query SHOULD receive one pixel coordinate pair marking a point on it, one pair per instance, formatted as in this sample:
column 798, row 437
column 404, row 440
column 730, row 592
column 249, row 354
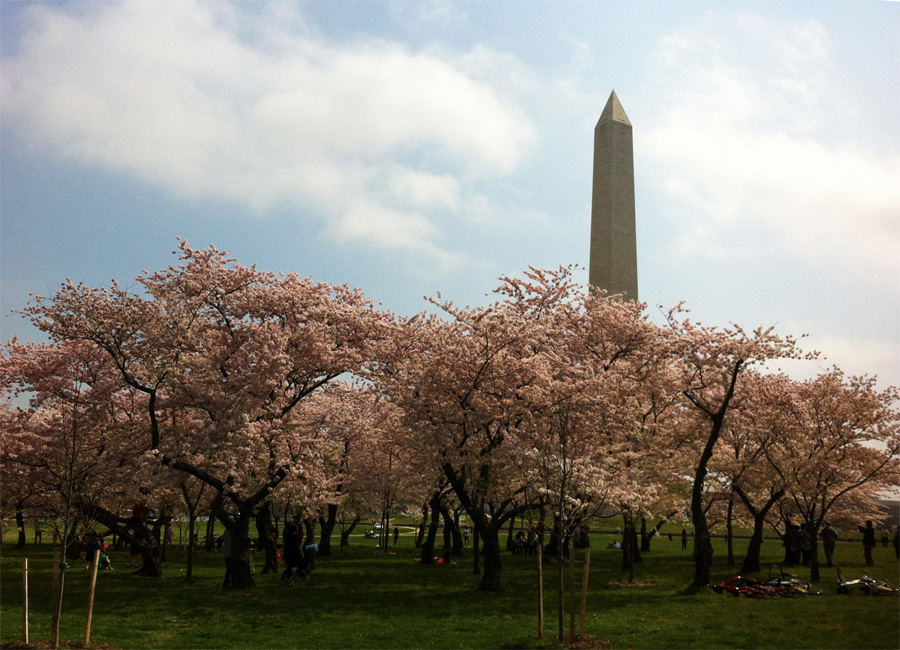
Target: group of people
column 799, row 545
column 526, row 543
column 830, row 537
column 93, row 544
column 297, row 557
column 299, row 560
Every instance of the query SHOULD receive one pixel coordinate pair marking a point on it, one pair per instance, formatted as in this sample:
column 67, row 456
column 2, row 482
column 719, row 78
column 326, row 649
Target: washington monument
column 613, row 257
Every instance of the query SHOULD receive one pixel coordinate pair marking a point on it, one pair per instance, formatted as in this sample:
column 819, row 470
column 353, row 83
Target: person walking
column 396, row 534
column 683, row 539
column 829, row 542
column 868, row 541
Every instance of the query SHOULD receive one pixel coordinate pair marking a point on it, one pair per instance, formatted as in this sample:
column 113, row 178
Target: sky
column 411, row 148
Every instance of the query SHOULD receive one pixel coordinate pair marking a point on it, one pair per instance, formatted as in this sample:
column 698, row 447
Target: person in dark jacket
column 829, row 542
column 293, row 553
column 868, row 541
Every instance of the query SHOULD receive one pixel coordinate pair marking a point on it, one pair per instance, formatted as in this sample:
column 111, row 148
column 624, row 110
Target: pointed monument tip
column 613, row 111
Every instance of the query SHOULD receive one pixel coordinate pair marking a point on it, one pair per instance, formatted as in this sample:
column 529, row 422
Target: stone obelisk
column 613, row 257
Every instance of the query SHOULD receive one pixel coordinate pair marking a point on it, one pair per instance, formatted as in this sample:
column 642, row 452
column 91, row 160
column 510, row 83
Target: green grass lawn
column 362, row 598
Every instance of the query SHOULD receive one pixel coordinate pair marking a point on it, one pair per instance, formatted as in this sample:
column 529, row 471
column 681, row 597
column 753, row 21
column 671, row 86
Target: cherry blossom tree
column 459, row 382
column 712, row 361
column 838, row 445
column 76, row 436
column 755, row 428
column 365, row 452
column 236, row 347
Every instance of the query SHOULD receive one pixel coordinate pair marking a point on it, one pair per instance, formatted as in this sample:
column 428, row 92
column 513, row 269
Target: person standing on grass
column 396, row 534
column 134, row 555
column 293, row 555
column 829, row 542
column 38, row 532
column 868, row 541
column 91, row 547
column 683, row 539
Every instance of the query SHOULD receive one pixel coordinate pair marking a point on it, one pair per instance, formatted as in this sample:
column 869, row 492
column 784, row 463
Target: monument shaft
column 613, row 255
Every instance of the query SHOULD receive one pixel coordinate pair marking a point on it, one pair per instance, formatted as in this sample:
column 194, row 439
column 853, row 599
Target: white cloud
column 220, row 101
column 425, row 189
column 392, row 229
column 745, row 146
column 853, row 354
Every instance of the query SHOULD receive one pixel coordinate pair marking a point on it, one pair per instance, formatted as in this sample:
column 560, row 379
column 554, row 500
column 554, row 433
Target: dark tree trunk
column 729, row 530
column 629, row 549
column 703, row 550
column 510, row 534
column 345, row 534
column 703, row 553
column 327, row 525
column 646, row 538
column 446, row 537
column 490, row 578
column 476, row 552
column 427, row 554
column 552, row 549
column 488, row 527
column 193, row 529
column 151, row 554
column 267, row 537
column 241, row 565
column 309, row 525
column 814, row 575
column 192, row 547
column 458, row 543
column 453, row 540
column 73, row 541
column 751, row 562
column 420, row 533
column 812, row 526
column 135, row 532
column 20, row 527
column 209, row 544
